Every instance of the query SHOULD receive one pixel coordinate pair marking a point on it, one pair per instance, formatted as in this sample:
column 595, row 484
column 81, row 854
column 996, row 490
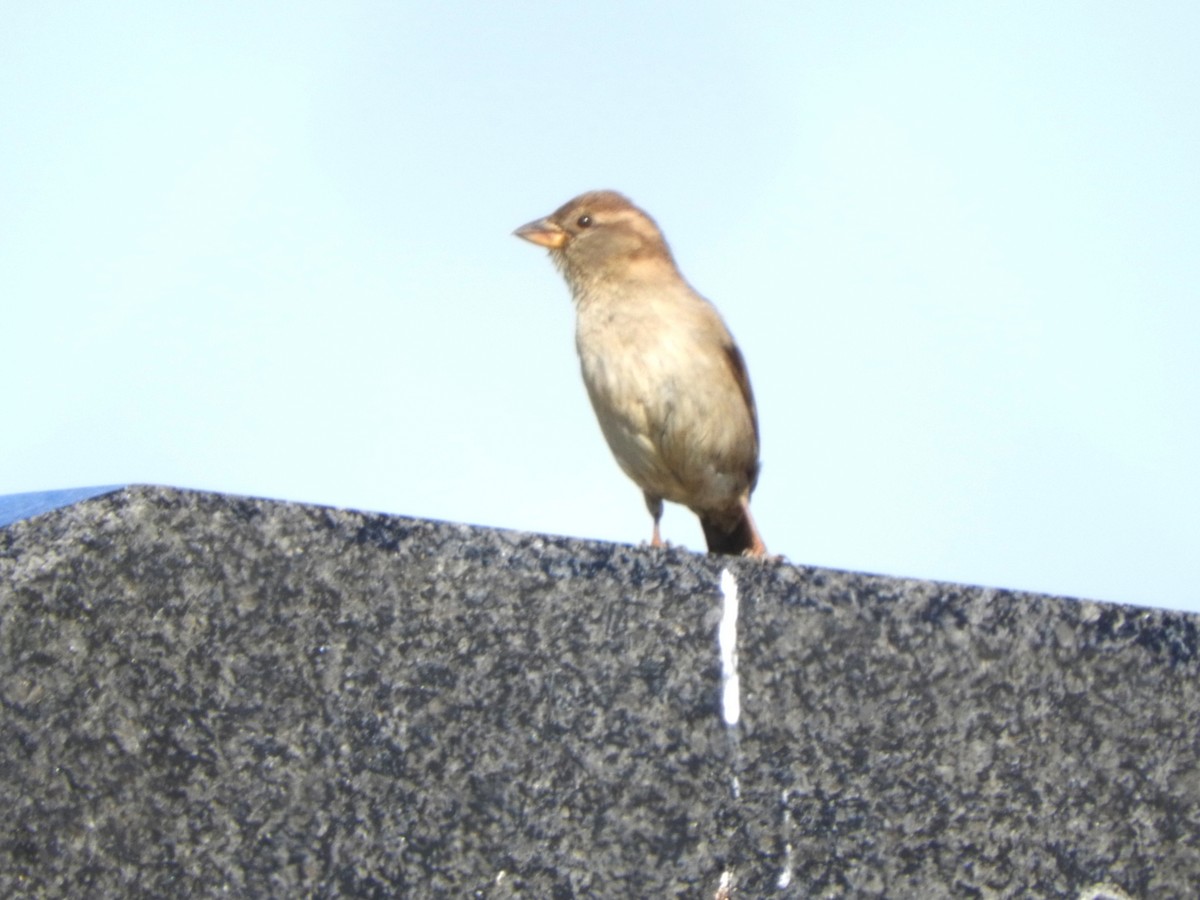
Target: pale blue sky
column 265, row 249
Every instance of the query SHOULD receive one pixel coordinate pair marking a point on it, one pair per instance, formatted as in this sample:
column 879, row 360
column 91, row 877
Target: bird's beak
column 544, row 233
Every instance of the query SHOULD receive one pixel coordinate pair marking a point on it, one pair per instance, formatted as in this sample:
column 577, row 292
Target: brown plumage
column 667, row 382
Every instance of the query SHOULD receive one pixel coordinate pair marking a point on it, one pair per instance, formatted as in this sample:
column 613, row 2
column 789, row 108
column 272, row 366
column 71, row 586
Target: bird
column 665, row 378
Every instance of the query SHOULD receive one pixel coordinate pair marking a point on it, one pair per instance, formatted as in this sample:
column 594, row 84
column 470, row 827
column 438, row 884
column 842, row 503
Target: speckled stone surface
column 203, row 695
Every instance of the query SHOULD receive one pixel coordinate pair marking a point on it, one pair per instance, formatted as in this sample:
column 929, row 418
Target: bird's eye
column 584, row 222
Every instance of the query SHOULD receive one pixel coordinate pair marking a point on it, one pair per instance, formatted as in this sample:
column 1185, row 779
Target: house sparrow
column 665, row 378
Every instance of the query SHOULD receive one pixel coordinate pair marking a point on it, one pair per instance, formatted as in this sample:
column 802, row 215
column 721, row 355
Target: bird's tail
column 732, row 533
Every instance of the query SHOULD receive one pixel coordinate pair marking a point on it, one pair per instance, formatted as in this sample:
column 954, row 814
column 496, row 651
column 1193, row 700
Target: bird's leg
column 757, row 548
column 655, row 505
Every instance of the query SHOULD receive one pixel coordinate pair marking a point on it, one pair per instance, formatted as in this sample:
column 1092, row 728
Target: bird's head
column 600, row 236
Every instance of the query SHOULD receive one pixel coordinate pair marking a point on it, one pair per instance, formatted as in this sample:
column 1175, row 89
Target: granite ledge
column 203, row 694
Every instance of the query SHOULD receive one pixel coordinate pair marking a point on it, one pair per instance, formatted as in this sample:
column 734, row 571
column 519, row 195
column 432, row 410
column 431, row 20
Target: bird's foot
column 764, row 556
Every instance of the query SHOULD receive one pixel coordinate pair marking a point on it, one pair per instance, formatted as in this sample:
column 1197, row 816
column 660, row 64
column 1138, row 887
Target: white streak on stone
column 1103, row 891
column 731, row 696
column 785, row 875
